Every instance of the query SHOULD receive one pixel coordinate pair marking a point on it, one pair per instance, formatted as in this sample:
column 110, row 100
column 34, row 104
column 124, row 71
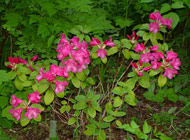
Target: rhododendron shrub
column 71, row 76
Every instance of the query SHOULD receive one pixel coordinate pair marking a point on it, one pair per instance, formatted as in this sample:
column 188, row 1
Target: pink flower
column 134, row 65
column 109, row 43
column 49, row 76
column 23, row 61
column 16, row 113
column 139, row 47
column 171, row 55
column 154, row 48
column 175, row 63
column 32, row 113
column 60, row 86
column 134, row 37
column 146, row 68
column 63, row 51
column 41, row 75
column 146, row 57
column 79, row 56
column 155, row 65
column 75, row 41
column 101, row 53
column 170, row 72
column 155, row 16
column 70, row 65
column 166, row 22
column 13, row 62
column 154, row 27
column 140, row 74
column 31, row 68
column 34, row 98
column 94, row 42
column 63, row 39
column 34, row 58
column 15, row 101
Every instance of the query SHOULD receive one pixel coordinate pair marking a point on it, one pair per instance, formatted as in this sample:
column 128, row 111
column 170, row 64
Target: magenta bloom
column 139, row 47
column 49, row 76
column 13, row 61
column 155, row 16
column 15, row 101
column 94, row 42
column 34, row 58
column 70, row 65
column 171, row 55
column 154, row 27
column 109, row 42
column 146, row 68
column 166, row 22
column 155, row 65
column 101, row 53
column 63, row 39
column 75, row 41
column 32, row 113
column 16, row 113
column 134, row 65
column 34, row 98
column 60, row 86
column 170, row 72
column 41, row 74
column 23, row 61
column 175, row 63
column 146, row 57
column 154, row 48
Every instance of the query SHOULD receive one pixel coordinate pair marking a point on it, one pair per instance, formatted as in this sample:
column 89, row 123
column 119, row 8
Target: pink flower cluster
column 101, row 52
column 133, row 38
column 16, row 60
column 31, row 112
column 76, row 53
column 167, row 60
column 159, row 21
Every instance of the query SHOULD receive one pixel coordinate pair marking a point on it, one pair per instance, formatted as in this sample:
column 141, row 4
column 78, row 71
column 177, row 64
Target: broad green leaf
column 81, row 105
column 81, row 98
column 5, row 113
column 90, row 81
column 3, row 76
column 60, row 94
column 43, row 86
column 162, row 80
column 89, row 131
column 146, row 36
column 49, row 7
column 24, row 121
column 178, row 5
column 27, row 83
column 50, row 40
column 117, row 101
column 175, row 18
column 126, row 53
column 165, row 8
column 125, row 43
column 118, row 91
column 71, row 121
column 109, row 118
column 119, row 114
column 39, row 118
column 18, row 84
column 12, row 19
column 104, row 60
column 112, row 51
column 12, row 75
column 91, row 112
column 23, row 70
column 134, row 55
column 81, row 76
column 146, row 128
column 4, row 101
column 155, row 72
column 49, row 97
column 101, row 135
column 144, row 81
column 146, row 1
column 149, row 95
column 187, row 2
column 76, row 82
column 130, row 98
column 40, row 107
column 118, row 123
column 171, row 95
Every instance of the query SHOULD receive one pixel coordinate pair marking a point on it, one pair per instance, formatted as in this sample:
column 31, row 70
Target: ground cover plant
column 79, row 78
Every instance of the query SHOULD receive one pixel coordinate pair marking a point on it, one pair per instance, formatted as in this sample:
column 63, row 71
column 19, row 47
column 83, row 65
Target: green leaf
column 126, row 43
column 146, row 36
column 134, row 55
column 155, row 72
column 149, row 95
column 101, row 135
column 76, row 82
column 187, row 2
column 12, row 75
column 24, row 121
column 104, row 60
column 43, row 86
column 3, row 76
column 23, row 70
column 117, row 101
column 112, row 51
column 175, row 18
column 5, row 113
column 171, row 95
column 4, row 101
column 118, row 123
column 13, row 19
column 178, row 5
column 60, row 94
column 91, row 112
column 39, row 118
column 118, row 91
column 71, row 121
column 81, row 76
column 49, row 97
column 49, row 7
column 50, row 40
column 40, row 107
column 162, row 80
column 146, row 128
column 126, row 53
column 119, row 114
column 27, row 83
column 18, row 84
column 81, row 98
column 165, row 8
column 144, row 81
column 146, row 1
column 81, row 105
column 109, row 118
column 130, row 98
column 90, row 81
